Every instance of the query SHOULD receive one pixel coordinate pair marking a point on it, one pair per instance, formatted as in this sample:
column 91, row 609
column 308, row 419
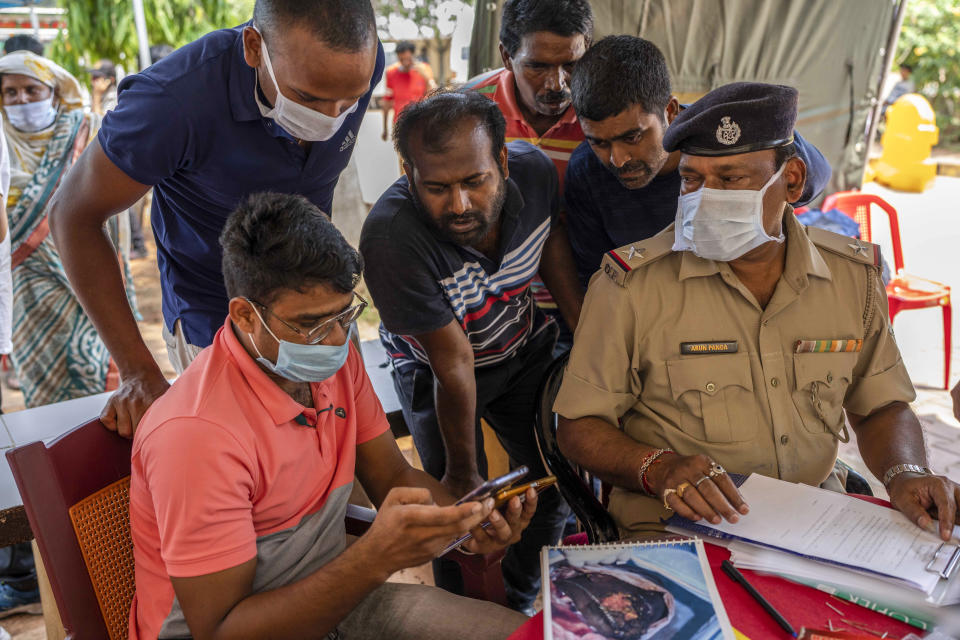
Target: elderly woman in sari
column 57, row 352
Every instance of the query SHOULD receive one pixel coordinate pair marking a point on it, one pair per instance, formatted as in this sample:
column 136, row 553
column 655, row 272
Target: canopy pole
column 887, row 59
column 141, row 23
column 34, row 20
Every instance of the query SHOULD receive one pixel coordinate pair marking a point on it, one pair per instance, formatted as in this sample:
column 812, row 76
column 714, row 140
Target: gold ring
column 665, row 494
column 683, row 487
column 700, row 481
column 716, row 470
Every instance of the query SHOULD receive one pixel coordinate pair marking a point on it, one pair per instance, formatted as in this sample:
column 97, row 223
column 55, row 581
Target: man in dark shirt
column 621, row 185
column 450, row 260
column 273, row 105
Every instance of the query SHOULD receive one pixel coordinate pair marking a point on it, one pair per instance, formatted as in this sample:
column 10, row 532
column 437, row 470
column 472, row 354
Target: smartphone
column 503, row 496
column 490, row 487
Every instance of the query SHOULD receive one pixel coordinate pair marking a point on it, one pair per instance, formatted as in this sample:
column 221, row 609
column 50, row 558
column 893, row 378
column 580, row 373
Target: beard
column 467, row 228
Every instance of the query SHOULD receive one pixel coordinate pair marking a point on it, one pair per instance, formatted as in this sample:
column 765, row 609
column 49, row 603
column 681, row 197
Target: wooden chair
column 76, row 492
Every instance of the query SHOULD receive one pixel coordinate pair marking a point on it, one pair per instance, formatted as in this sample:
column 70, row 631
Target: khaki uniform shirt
column 737, row 391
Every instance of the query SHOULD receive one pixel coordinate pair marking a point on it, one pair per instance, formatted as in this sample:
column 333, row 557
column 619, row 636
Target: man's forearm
column 308, row 608
column 91, row 265
column 889, row 436
column 604, row 450
column 456, row 403
column 559, row 273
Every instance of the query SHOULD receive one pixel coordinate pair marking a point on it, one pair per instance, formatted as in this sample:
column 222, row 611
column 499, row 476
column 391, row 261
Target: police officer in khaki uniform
column 737, row 339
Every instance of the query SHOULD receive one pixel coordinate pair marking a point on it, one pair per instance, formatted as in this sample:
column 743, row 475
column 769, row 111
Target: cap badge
column 728, row 132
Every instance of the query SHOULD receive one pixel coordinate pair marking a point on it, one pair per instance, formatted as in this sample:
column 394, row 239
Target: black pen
column 737, row 577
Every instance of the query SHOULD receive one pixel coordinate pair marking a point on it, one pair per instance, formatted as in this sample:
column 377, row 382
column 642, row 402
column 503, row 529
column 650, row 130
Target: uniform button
column 774, row 382
column 711, row 387
column 829, row 377
column 784, row 439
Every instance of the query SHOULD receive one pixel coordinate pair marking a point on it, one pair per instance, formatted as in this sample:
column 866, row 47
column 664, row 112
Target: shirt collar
column 506, row 96
column 243, row 79
column 281, row 407
column 803, row 257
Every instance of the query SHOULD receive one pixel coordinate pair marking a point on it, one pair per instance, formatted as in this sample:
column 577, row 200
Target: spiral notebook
column 641, row 591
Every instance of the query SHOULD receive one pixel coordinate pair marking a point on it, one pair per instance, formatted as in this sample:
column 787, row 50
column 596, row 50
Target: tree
column 929, row 42
column 105, row 28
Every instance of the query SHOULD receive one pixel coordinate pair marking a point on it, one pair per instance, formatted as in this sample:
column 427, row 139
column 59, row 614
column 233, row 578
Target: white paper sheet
column 828, row 525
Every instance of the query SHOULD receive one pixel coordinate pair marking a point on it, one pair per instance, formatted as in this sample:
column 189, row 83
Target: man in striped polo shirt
column 451, row 249
column 539, row 43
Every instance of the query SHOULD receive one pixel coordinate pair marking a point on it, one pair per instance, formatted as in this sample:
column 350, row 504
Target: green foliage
column 929, row 42
column 105, row 28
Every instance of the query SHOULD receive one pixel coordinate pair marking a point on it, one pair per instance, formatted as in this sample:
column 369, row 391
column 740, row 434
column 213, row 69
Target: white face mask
column 32, row 116
column 722, row 224
column 296, row 119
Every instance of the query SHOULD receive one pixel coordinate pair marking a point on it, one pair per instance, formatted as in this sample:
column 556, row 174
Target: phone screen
column 490, row 487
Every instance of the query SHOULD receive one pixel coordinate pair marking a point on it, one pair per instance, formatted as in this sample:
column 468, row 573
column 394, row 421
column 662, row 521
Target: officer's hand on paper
column 926, row 499
column 692, row 492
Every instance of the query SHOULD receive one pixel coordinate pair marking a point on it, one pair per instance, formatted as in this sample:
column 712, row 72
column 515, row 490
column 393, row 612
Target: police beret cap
column 736, row 118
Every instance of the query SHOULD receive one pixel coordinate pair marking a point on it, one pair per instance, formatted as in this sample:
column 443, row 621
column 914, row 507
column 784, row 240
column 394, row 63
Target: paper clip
column 946, row 565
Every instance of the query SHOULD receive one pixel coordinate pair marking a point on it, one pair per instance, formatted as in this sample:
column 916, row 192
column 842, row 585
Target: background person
column 282, row 102
column 57, row 351
column 408, row 80
column 103, row 85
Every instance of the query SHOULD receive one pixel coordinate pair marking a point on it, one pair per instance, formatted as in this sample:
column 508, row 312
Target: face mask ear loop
column 265, row 326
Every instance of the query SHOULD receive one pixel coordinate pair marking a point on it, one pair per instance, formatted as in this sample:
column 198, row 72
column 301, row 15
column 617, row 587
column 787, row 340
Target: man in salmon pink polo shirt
column 242, row 470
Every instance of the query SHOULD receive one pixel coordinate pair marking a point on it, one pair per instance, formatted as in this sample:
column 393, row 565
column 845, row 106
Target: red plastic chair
column 904, row 291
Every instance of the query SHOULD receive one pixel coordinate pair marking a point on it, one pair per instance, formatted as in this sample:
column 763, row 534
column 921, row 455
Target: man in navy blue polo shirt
column 273, row 105
column 621, row 186
column 449, row 264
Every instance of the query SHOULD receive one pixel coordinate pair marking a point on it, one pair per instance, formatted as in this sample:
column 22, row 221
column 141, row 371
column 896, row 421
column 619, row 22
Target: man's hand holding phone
column 505, row 525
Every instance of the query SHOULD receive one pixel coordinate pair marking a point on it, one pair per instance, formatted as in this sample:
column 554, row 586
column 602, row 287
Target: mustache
column 554, row 97
column 449, row 219
column 631, row 167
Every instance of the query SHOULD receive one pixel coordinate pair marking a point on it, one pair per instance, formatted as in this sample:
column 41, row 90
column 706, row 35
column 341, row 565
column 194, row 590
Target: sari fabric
column 56, row 349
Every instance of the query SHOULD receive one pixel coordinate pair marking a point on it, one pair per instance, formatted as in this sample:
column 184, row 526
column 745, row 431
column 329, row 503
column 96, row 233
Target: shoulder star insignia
column 634, row 252
column 858, row 249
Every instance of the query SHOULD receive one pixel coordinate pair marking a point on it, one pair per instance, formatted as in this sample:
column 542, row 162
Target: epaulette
column 845, row 246
column 619, row 263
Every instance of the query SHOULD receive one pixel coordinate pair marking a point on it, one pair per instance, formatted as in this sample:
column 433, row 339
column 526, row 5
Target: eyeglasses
column 317, row 334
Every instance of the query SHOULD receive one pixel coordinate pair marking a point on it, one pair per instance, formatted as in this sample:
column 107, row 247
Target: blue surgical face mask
column 303, row 362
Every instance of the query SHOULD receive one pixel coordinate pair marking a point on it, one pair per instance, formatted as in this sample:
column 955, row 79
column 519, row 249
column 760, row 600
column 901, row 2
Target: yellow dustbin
column 910, row 134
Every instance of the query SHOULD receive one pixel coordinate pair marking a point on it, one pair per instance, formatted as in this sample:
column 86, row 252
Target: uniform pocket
column 715, row 397
column 822, row 382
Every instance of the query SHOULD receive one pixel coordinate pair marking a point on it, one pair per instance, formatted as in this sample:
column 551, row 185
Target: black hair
column 274, row 242
column 906, row 66
column 617, row 73
column 160, row 51
column 23, row 42
column 405, row 45
column 435, row 118
column 344, row 25
column 563, row 17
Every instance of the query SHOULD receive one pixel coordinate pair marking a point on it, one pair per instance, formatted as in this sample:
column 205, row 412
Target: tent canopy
column 832, row 52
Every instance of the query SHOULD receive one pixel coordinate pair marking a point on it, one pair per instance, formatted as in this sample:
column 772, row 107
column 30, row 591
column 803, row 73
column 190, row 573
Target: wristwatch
column 897, row 469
